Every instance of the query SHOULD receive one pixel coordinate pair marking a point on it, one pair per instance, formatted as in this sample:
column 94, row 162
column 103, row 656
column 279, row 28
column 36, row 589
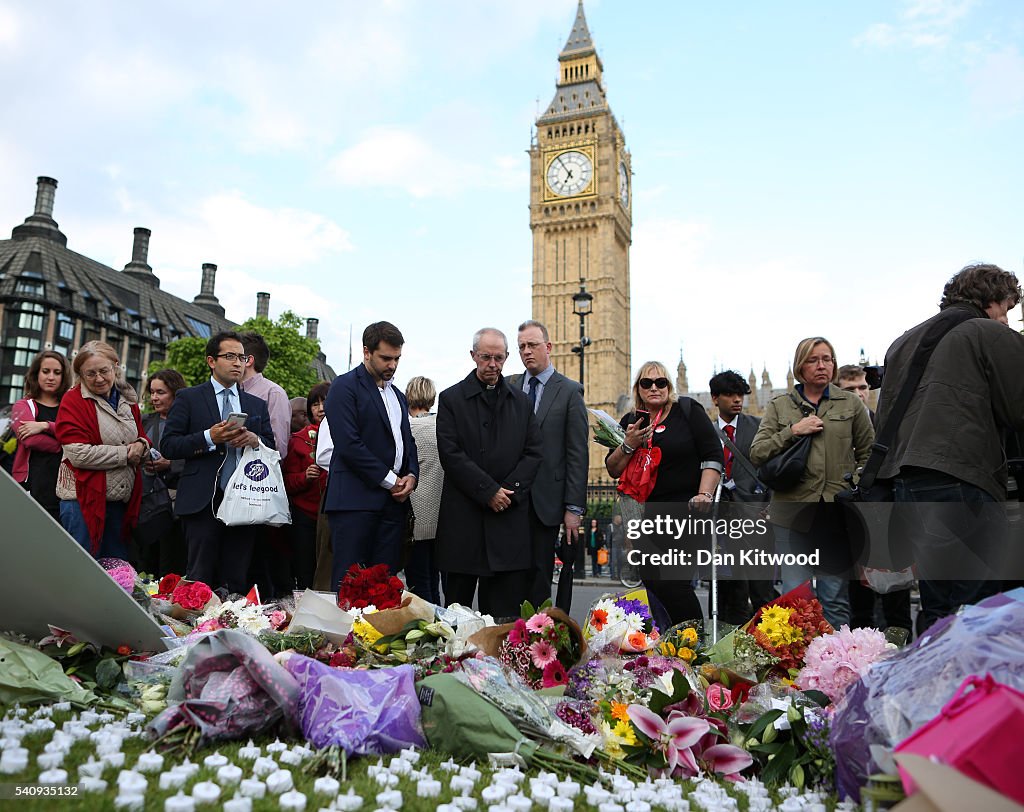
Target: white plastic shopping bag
column 255, row 493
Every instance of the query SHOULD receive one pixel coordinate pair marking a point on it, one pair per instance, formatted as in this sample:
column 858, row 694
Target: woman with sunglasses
column 688, row 473
column 805, row 516
column 100, row 429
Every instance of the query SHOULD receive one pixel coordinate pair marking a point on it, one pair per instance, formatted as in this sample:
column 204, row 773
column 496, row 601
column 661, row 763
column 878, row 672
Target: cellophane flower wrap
column 833, row 662
column 540, row 650
column 369, row 586
column 623, row 620
column 121, row 571
column 191, row 595
column 786, row 626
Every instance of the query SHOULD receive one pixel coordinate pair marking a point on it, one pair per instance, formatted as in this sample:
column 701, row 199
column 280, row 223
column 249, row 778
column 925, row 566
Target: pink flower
column 727, row 759
column 675, row 738
column 542, row 653
column 539, row 622
column 517, row 634
column 554, row 675
column 835, row 661
column 277, row 619
column 719, row 698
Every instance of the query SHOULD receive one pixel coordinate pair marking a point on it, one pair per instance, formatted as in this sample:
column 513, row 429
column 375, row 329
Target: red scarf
column 77, row 423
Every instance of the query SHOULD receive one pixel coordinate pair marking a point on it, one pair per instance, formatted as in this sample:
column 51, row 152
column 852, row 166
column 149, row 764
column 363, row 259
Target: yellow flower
column 775, row 626
column 365, row 631
column 620, row 711
column 668, row 649
column 624, row 731
column 612, row 743
column 687, row 654
column 689, row 637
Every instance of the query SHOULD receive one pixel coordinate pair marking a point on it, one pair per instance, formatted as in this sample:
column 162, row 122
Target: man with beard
column 490, row 448
column 374, row 466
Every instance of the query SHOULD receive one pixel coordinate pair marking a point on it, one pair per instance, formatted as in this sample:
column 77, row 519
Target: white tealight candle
column 449, row 766
column 280, row 781
column 494, row 793
column 467, row 803
column 326, row 785
column 348, row 802
column 63, row 707
column 638, row 805
column 92, row 769
column 206, row 792
column 238, row 804
column 460, row 785
column 131, row 783
column 610, row 806
column 89, row 784
column 470, row 773
column 596, row 795
column 252, row 788
column 568, row 789
column 390, row 798
column 149, row 763
column 293, row 800
column 133, row 803
column 190, row 768
column 542, row 793
column 215, row 760
column 179, row 803
column 277, row 746
column 547, row 778
column 386, row 779
column 172, row 780
column 518, row 803
column 53, row 777
column 250, row 752
column 290, row 757
column 302, row 751
column 105, row 717
column 447, row 808
column 411, row 755
column 399, row 766
column 115, row 760
column 9, row 765
column 135, row 718
column 560, row 804
column 229, row 775
column 263, row 766
column 428, row 788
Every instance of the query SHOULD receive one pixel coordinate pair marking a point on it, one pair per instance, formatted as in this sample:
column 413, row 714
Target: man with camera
column 947, row 455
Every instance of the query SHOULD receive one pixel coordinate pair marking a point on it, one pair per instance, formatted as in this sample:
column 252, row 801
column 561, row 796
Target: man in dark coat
column 490, row 448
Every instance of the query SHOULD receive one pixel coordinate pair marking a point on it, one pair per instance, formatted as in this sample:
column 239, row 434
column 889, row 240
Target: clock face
column 624, row 184
column 569, row 173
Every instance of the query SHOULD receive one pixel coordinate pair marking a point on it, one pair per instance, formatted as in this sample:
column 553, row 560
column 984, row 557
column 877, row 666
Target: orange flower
column 598, row 619
column 637, row 641
column 620, row 711
column 124, row 651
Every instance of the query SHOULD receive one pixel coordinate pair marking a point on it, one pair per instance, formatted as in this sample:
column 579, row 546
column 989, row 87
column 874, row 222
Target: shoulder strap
column 739, row 456
column 951, row 318
column 686, row 404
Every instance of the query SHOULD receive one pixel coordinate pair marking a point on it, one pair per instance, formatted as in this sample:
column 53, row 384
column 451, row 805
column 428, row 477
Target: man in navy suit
column 197, row 431
column 374, row 467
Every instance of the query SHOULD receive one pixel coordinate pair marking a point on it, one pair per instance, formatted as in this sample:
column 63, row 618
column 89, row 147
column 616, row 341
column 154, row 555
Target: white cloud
column 921, row 24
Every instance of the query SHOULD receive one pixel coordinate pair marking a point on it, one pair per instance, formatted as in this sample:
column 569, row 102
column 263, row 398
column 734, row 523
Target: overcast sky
column 800, row 168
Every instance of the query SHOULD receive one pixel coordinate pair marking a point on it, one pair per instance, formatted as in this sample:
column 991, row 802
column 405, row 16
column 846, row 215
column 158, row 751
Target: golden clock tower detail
column 580, row 204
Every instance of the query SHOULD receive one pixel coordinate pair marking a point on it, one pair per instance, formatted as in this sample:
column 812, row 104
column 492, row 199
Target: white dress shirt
column 236, row 405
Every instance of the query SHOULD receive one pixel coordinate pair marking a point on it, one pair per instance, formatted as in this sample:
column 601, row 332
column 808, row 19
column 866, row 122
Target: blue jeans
column 111, row 544
column 955, row 529
column 832, row 590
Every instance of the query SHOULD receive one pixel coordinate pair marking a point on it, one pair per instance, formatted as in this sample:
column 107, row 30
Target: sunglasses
column 647, row 383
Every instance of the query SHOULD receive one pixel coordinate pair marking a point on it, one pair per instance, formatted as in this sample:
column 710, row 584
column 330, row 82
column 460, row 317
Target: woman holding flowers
column 840, row 434
column 99, row 426
column 305, row 481
column 33, row 420
column 688, row 472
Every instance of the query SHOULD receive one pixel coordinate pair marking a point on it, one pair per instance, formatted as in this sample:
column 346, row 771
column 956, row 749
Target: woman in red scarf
column 100, row 430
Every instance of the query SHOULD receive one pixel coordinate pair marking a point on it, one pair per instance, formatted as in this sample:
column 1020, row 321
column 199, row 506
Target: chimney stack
column 263, row 305
column 206, row 299
column 311, row 328
column 139, row 267
column 41, row 222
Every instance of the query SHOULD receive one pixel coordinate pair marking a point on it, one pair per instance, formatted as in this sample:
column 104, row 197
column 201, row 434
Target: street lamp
column 582, row 306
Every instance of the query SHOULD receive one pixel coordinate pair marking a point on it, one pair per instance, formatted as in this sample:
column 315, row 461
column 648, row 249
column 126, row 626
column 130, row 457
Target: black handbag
column 785, row 469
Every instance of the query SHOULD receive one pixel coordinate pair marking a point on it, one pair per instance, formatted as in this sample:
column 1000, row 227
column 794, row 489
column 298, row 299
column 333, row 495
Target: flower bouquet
column 622, row 621
column 541, row 647
column 181, row 599
column 240, row 614
column 833, row 662
column 607, row 431
column 365, row 587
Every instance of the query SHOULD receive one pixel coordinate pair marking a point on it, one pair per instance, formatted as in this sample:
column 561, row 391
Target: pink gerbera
column 539, row 622
column 542, row 653
column 517, row 634
column 554, row 675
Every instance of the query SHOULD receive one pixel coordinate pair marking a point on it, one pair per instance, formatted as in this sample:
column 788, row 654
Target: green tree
column 291, row 355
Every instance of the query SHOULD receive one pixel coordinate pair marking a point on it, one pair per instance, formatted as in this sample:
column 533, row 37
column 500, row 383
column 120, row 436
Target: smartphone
column 238, row 419
column 154, row 454
column 643, row 419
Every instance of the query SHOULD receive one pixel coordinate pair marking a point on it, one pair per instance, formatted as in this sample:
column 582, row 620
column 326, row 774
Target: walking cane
column 714, row 564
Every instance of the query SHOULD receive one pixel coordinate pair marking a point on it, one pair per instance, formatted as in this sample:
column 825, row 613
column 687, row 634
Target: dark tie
column 231, row 457
column 533, row 393
column 730, row 432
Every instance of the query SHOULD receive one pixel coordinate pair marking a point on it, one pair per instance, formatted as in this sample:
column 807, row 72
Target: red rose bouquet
column 166, row 586
column 191, row 595
column 369, row 586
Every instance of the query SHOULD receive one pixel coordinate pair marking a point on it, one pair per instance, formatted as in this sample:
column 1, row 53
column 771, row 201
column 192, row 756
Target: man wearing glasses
column 490, row 448
column 198, row 431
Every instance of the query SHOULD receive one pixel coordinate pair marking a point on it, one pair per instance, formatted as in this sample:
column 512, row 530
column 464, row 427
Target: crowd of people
column 475, row 499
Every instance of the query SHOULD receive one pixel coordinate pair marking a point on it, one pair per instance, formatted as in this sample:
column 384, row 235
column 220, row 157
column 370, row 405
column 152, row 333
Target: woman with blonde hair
column 688, row 473
column 841, row 436
column 100, row 429
column 421, row 570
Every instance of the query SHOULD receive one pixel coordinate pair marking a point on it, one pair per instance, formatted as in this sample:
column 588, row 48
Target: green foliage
column 291, row 355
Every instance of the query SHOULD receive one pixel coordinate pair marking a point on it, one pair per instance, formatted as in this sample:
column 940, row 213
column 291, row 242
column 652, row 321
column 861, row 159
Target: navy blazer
column 364, row 447
column 194, row 411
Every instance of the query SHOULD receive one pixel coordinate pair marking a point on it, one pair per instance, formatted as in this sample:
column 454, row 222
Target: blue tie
column 231, row 458
column 533, row 393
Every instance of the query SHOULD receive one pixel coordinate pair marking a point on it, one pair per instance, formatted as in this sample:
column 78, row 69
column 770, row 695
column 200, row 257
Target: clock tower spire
column 581, row 219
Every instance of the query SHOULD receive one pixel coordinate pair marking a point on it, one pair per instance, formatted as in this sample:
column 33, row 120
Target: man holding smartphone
column 208, row 426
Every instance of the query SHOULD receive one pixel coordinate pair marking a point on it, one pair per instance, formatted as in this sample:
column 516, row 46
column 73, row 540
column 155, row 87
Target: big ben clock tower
column 580, row 215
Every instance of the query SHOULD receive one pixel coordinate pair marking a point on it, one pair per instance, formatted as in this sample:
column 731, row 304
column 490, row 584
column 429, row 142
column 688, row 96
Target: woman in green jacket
column 841, row 432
